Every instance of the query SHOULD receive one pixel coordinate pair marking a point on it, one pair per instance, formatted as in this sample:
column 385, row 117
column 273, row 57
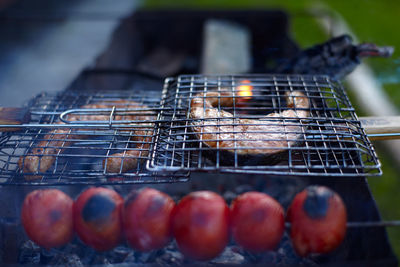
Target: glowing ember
column 245, row 89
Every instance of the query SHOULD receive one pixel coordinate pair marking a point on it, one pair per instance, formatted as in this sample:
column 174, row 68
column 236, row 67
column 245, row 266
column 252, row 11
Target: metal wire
column 104, row 137
column 394, row 223
column 324, row 138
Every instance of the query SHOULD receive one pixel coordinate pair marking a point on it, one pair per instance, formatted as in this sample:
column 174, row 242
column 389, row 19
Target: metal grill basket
column 74, row 138
column 329, row 140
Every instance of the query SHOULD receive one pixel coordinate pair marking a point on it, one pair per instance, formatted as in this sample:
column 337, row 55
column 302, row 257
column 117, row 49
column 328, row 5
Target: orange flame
column 245, row 89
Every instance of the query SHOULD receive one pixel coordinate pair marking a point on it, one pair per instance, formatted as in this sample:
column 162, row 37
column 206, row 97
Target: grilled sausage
column 267, row 136
column 128, row 160
column 44, row 155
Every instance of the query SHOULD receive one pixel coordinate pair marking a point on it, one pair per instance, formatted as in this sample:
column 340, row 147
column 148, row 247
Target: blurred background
column 44, row 45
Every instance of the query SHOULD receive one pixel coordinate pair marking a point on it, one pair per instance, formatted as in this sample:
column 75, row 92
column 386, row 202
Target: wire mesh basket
column 267, row 124
column 84, row 138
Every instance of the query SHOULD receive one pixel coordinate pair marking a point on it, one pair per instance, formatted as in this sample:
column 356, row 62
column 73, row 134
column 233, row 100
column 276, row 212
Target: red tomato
column 257, row 221
column 47, row 217
column 97, row 217
column 200, row 225
column 147, row 219
column 318, row 220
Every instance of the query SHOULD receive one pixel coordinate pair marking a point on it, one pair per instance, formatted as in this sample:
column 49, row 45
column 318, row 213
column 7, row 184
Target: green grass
column 372, row 21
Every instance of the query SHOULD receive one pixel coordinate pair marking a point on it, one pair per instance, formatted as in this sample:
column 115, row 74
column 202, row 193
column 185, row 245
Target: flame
column 245, row 89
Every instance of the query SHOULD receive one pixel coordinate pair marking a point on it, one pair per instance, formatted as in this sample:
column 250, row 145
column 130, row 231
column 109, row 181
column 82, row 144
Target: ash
column 78, row 254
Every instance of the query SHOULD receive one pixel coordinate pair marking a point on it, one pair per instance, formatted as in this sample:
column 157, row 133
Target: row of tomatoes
column 201, row 222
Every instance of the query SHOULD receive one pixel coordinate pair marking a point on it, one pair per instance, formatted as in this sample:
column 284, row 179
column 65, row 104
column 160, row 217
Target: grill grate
column 323, row 138
column 91, row 145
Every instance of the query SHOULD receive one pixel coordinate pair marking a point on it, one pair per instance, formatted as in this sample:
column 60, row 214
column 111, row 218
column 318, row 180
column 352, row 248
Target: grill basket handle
column 381, row 128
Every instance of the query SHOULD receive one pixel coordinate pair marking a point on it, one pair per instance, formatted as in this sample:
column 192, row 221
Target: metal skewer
column 393, row 223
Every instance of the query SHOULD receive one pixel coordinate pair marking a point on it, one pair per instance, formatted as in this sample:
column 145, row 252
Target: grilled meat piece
column 337, row 57
column 128, row 160
column 265, row 137
column 44, row 154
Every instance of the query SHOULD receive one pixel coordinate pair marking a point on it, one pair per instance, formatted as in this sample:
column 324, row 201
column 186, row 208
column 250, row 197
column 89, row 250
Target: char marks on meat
column 268, row 135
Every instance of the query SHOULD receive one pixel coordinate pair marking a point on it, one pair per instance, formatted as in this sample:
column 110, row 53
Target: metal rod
column 95, row 124
column 112, row 111
column 128, row 124
column 394, row 223
column 374, row 224
column 111, row 117
column 347, row 135
column 383, row 135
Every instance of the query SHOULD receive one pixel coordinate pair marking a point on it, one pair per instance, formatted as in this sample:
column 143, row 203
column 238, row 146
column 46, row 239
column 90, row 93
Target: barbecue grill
column 332, row 146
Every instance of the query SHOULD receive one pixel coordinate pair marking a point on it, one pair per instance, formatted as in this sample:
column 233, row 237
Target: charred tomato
column 200, row 225
column 97, row 217
column 318, row 220
column 257, row 221
column 47, row 217
column 147, row 219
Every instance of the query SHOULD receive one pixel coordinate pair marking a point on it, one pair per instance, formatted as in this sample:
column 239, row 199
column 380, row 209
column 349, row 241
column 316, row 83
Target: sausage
column 128, row 160
column 44, row 154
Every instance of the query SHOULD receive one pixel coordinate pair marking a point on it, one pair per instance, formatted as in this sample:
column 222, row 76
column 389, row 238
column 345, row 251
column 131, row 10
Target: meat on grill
column 44, row 154
column 128, row 160
column 267, row 136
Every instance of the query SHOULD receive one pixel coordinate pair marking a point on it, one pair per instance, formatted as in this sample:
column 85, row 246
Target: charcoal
column 120, row 253
column 251, row 257
column 287, row 256
column 47, row 255
column 147, row 257
column 87, row 255
column 243, row 189
column 70, row 248
column 229, row 256
column 99, row 259
column 170, row 257
column 283, row 190
column 30, row 253
column 284, row 255
column 269, row 257
column 229, row 196
column 105, row 262
column 130, row 258
column 66, row 260
column 73, row 260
